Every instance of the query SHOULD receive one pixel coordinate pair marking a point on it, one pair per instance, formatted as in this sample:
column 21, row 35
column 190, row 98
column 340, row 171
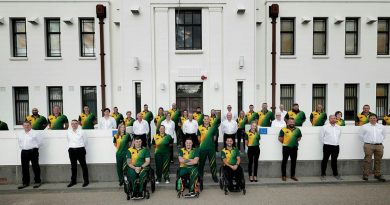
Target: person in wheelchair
column 138, row 161
column 231, row 168
column 188, row 159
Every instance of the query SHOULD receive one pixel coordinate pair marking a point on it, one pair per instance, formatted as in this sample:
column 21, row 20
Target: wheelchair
column 236, row 187
column 145, row 192
column 184, row 182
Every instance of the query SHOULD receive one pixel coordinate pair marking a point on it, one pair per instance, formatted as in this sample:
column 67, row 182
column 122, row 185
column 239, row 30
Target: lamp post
column 273, row 14
column 101, row 15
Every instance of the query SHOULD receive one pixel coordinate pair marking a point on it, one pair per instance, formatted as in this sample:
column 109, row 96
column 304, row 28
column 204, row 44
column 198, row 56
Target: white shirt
column 190, row 127
column 229, row 127
column 76, row 139
column 29, row 140
column 373, row 134
column 107, row 124
column 278, row 123
column 330, row 134
column 169, row 128
column 234, row 116
column 283, row 113
column 140, row 128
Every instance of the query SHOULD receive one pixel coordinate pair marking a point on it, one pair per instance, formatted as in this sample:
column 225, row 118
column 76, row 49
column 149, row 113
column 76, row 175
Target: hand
column 246, row 149
column 137, row 170
column 234, row 167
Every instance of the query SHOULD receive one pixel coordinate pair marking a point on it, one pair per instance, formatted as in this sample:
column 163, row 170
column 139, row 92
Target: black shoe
column 365, row 178
column 71, row 184
column 140, row 195
column 121, row 183
column 172, row 161
column 215, row 179
column 37, row 185
column 133, row 195
column 85, row 184
column 379, row 178
column 22, row 186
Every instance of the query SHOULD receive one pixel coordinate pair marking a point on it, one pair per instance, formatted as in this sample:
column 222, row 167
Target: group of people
column 196, row 136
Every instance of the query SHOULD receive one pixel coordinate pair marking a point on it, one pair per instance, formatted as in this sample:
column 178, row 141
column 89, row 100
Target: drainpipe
column 273, row 13
column 101, row 15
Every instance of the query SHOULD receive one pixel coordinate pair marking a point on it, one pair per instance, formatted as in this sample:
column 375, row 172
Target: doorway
column 189, row 96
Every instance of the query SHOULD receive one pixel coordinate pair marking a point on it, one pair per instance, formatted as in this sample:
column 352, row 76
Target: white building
column 228, row 42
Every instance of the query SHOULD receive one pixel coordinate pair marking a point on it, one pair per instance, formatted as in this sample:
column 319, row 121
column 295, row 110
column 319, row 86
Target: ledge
column 18, row 58
column 53, row 58
column 352, row 56
column 320, row 57
column 87, row 58
column 383, row 56
column 288, row 57
column 188, row 51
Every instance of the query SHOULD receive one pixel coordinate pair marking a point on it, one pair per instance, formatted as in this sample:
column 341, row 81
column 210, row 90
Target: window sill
column 189, row 52
column 87, row 58
column 320, row 57
column 352, row 56
column 288, row 57
column 18, row 58
column 53, row 58
column 383, row 56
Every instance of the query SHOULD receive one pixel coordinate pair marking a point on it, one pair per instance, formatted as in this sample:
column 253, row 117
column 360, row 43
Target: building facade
column 198, row 53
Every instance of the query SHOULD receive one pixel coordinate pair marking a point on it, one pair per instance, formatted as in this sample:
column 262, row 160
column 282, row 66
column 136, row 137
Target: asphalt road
column 373, row 194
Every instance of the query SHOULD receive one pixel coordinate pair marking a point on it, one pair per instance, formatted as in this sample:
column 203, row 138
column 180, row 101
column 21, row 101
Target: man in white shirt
column 278, row 122
column 77, row 142
column 229, row 129
column 141, row 129
column 107, row 122
column 372, row 134
column 29, row 142
column 190, row 130
column 170, row 130
column 282, row 111
column 229, row 110
column 330, row 137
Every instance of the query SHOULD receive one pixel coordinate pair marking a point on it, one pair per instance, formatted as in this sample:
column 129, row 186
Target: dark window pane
column 197, row 41
column 188, row 37
column 21, row 100
column 196, row 18
column 188, row 18
column 89, row 98
column 180, row 37
column 188, row 30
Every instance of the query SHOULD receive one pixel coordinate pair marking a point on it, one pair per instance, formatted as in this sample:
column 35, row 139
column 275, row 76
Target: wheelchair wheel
column 220, row 183
column 152, row 180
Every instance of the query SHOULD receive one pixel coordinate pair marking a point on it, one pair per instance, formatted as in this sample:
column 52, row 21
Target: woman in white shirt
column 107, row 122
column 278, row 122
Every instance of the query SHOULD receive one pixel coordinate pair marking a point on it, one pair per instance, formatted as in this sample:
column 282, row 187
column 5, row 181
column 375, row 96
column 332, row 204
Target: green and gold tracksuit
column 215, row 121
column 340, row 122
column 362, row 119
column 118, row 118
column 252, row 138
column 318, row 118
column 129, row 122
column 198, row 117
column 230, row 155
column 265, row 118
column 137, row 158
column 207, row 148
column 299, row 117
column 38, row 122
column 386, row 120
column 191, row 170
column 148, row 117
column 162, row 155
column 57, row 123
column 251, row 116
column 290, row 136
column 122, row 145
column 157, row 121
column 3, row 126
column 175, row 116
column 87, row 121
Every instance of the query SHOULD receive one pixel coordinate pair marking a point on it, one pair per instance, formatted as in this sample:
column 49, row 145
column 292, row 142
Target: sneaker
column 157, row 182
column 323, row 178
column 284, row 179
column 167, row 181
column 192, row 194
column 37, row 185
column 85, row 184
column 133, row 195
column 380, row 178
column 294, row 178
column 22, row 186
column 71, row 184
column 338, row 177
column 365, row 178
column 140, row 195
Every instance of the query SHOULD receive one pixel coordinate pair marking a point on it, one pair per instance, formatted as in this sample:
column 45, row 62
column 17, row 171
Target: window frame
column 289, row 99
column 49, row 33
column 88, row 101
column 384, row 98
column 15, row 33
column 82, row 33
column 292, row 19
column 355, row 98
column 52, row 102
column 324, row 32
column 138, row 98
column 188, row 25
column 356, row 34
column 319, row 98
column 19, row 112
column 387, row 49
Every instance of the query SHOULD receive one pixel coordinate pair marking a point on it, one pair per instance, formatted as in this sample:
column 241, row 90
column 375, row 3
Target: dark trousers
column 143, row 138
column 240, row 135
column 253, row 158
column 33, row 156
column 216, row 141
column 78, row 154
column 194, row 138
column 230, row 173
column 226, row 136
column 291, row 152
column 333, row 152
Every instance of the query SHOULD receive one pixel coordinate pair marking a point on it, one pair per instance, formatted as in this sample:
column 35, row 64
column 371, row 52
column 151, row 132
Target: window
column 53, row 40
column 239, row 95
column 287, row 96
column 351, row 36
column 87, row 37
column 19, row 37
column 88, row 97
column 137, row 97
column 319, row 36
column 287, row 36
column 319, row 95
column 383, row 36
column 382, row 100
column 350, row 101
column 55, row 98
column 188, row 30
column 21, row 104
